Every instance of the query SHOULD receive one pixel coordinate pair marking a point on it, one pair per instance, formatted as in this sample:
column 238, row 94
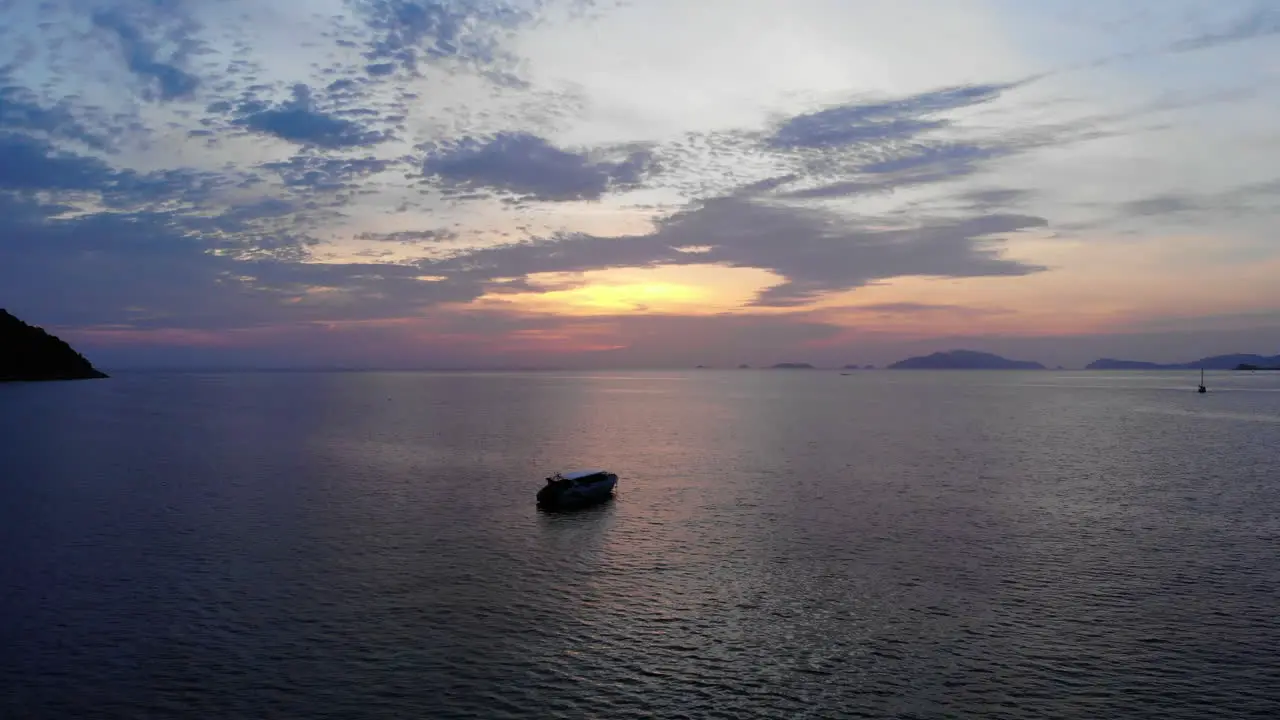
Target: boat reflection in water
column 577, row 489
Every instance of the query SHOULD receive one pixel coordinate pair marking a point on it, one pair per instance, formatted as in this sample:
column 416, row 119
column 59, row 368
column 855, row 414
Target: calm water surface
column 783, row 545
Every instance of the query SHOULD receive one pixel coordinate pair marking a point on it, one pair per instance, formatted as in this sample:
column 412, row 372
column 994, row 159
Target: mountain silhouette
column 1214, row 362
column 963, row 360
column 29, row 353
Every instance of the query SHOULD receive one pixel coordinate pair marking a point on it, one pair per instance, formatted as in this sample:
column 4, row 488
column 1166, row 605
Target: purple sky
column 467, row 183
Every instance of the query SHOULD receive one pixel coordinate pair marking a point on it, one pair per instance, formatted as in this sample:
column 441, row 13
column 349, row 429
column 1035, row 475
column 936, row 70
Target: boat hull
column 577, row 496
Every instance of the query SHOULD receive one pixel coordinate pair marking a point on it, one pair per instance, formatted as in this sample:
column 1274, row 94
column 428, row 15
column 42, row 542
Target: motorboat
column 577, row 489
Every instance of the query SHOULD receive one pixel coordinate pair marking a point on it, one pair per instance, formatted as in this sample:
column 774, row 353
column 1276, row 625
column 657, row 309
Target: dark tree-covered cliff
column 29, row 353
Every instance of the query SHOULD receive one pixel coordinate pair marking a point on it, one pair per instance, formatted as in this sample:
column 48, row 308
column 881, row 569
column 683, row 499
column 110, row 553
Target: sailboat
column 1201, row 389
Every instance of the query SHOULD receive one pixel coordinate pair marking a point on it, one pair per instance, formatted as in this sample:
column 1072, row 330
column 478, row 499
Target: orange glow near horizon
column 1103, row 286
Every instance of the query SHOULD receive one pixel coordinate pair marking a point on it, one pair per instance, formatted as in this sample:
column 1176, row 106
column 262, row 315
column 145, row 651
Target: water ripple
column 794, row 546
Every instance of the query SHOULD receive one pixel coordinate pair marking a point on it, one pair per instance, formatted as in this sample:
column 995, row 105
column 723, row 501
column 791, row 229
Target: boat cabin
column 578, row 477
column 577, row 488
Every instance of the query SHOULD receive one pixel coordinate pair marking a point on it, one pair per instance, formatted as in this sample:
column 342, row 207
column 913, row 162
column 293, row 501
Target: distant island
column 793, row 366
column 859, row 367
column 1216, row 362
column 1247, row 366
column 29, row 353
column 964, row 360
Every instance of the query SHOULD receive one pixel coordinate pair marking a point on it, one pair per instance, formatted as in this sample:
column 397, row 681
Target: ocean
column 783, row 544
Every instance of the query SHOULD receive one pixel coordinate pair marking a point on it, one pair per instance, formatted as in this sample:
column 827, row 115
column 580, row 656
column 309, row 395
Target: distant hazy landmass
column 793, row 366
column 29, row 353
column 964, row 360
column 1216, row 362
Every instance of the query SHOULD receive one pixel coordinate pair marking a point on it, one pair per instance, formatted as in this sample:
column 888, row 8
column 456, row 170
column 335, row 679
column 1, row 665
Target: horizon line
column 374, row 369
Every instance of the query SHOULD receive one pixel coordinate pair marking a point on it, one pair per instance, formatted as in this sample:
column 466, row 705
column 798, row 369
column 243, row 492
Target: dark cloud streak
column 317, row 172
column 527, row 165
column 1263, row 21
column 815, row 251
column 859, row 123
column 21, row 110
column 30, row 164
column 412, row 237
column 140, row 56
column 410, row 32
column 165, row 265
column 300, row 122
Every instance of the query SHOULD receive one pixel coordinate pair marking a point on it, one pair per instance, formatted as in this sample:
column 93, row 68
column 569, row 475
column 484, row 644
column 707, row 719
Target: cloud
column 887, row 182
column 300, row 122
column 859, row 123
column 411, row 237
column 1158, row 205
column 528, row 165
column 990, row 198
column 165, row 270
column 409, row 32
column 171, row 81
column 317, row 172
column 30, row 164
column 816, row 251
column 1243, row 201
column 21, row 110
column 880, row 165
column 914, row 308
column 954, row 157
column 159, row 215
column 1263, row 21
column 33, row 165
column 817, row 259
column 912, row 168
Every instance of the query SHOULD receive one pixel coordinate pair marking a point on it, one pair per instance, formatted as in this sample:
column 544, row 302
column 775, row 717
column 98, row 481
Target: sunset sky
column 622, row 183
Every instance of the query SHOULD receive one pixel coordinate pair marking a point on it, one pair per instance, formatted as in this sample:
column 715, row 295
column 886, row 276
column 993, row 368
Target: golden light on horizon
column 664, row 290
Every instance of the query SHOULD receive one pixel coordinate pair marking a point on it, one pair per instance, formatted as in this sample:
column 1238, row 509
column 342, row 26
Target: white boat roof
column 577, row 474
